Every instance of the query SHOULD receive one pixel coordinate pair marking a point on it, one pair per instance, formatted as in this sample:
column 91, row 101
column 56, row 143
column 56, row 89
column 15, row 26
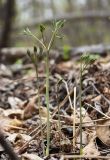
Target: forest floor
column 19, row 111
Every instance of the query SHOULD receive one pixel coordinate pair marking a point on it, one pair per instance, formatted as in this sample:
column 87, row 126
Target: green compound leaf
column 59, row 24
column 89, row 58
column 27, row 31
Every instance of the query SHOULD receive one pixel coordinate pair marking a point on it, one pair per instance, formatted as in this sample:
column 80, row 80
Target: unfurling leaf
column 40, row 53
column 35, row 49
column 42, row 28
column 28, row 53
column 31, row 56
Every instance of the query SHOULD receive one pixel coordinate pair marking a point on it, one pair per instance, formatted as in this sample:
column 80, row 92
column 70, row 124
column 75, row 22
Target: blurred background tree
column 88, row 21
column 7, row 9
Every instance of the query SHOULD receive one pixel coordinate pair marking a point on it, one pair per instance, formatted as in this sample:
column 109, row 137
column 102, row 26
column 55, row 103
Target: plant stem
column 81, row 109
column 43, row 39
column 52, row 40
column 36, row 68
column 74, row 119
column 40, row 42
column 59, row 123
column 47, row 102
column 47, row 90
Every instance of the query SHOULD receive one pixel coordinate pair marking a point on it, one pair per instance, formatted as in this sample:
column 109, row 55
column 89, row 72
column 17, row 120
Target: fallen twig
column 100, row 94
column 7, row 146
column 84, row 156
column 74, row 117
column 97, row 110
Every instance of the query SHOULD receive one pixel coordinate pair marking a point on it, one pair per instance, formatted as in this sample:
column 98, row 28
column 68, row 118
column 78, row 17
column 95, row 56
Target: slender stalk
column 47, row 102
column 66, row 85
column 59, row 123
column 41, row 127
column 43, row 39
column 81, row 109
column 74, row 118
column 40, row 42
column 47, row 90
column 52, row 40
column 98, row 110
column 86, row 60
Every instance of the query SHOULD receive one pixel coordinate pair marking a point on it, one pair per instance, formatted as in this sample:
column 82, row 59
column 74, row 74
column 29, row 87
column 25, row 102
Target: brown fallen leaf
column 103, row 132
column 87, row 119
column 14, row 102
column 29, row 108
column 106, row 66
column 91, row 149
column 16, row 122
column 43, row 111
column 27, row 156
column 32, row 108
column 65, row 65
column 4, row 122
column 96, row 99
column 106, row 90
column 12, row 113
column 17, row 140
column 84, row 139
column 30, row 156
column 16, row 136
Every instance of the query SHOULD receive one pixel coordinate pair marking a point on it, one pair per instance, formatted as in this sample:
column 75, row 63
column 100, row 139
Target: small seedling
column 57, row 25
column 85, row 61
column 66, row 52
column 34, row 58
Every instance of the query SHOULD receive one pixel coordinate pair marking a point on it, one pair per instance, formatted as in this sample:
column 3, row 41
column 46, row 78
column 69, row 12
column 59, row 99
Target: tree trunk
column 8, row 20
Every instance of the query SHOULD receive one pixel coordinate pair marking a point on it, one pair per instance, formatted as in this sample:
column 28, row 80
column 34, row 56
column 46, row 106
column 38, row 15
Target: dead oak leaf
column 14, row 102
column 16, row 122
column 17, row 139
column 103, row 131
column 31, row 156
column 29, row 108
column 12, row 113
column 91, row 150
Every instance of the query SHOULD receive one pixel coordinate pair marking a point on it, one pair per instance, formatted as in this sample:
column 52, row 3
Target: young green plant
column 34, row 58
column 46, row 49
column 66, row 52
column 85, row 61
